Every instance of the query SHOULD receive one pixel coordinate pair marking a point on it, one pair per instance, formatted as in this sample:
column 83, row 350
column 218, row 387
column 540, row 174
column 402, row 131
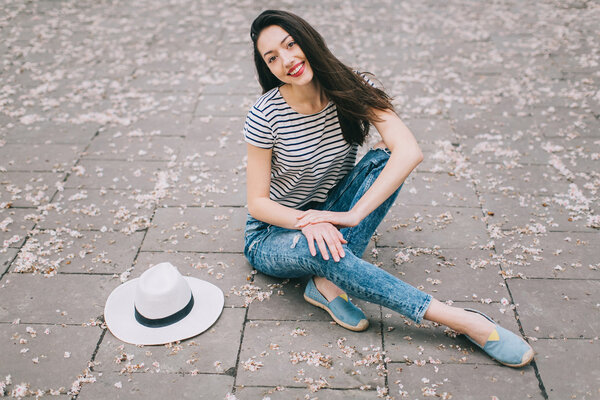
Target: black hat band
column 168, row 320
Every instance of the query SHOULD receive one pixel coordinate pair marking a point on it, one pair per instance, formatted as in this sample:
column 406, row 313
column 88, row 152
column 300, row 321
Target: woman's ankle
column 462, row 321
column 327, row 288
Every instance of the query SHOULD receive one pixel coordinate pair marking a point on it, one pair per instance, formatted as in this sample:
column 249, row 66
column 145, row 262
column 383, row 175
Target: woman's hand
column 339, row 219
column 326, row 235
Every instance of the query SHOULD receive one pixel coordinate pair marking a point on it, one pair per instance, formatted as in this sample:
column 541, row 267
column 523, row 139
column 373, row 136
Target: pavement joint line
column 523, row 335
column 438, row 206
column 92, row 158
column 93, row 358
column 491, row 362
column 239, row 352
column 82, row 273
column 567, row 338
column 542, row 278
column 37, row 171
column 192, row 252
column 81, row 325
column 542, row 387
column 385, row 363
column 147, row 161
column 9, row 263
column 184, row 373
column 304, row 387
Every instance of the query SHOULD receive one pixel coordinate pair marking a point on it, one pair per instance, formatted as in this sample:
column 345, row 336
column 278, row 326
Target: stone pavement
column 120, row 147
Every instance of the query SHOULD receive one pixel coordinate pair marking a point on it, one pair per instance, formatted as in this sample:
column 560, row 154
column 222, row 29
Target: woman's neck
column 305, row 96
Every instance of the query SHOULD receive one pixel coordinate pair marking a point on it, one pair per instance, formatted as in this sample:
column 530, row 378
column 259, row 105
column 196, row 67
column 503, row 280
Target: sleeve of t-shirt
column 366, row 78
column 257, row 130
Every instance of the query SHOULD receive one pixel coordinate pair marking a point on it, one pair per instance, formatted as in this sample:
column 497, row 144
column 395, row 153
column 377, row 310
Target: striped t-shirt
column 310, row 155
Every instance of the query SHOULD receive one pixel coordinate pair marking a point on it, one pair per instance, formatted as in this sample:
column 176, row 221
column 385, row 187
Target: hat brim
column 120, row 319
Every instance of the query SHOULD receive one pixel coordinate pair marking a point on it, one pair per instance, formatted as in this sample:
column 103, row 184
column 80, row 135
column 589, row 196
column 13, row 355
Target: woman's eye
column 290, row 44
column 271, row 59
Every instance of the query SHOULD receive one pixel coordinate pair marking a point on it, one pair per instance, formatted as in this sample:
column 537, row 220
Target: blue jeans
column 284, row 253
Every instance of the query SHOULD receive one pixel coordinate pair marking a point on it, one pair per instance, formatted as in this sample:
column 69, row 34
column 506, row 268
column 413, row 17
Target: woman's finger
column 304, row 214
column 322, row 247
column 307, row 220
column 311, row 244
column 333, row 247
column 340, row 249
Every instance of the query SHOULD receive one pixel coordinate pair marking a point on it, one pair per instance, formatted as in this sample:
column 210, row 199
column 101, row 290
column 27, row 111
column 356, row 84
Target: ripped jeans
column 284, row 253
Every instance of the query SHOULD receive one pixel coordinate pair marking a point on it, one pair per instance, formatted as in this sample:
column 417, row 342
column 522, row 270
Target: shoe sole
column 362, row 325
column 528, row 357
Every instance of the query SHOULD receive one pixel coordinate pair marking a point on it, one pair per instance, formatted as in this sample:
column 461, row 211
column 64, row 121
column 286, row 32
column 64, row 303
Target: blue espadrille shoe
column 504, row 346
column 341, row 309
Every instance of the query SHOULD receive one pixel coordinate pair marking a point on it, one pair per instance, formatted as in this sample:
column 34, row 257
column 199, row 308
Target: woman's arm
column 405, row 156
column 258, row 178
column 261, row 207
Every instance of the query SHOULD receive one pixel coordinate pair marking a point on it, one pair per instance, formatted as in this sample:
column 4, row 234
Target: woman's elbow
column 251, row 209
column 418, row 156
column 415, row 156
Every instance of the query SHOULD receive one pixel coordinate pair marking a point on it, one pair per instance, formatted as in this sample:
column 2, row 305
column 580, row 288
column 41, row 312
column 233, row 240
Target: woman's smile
column 296, row 70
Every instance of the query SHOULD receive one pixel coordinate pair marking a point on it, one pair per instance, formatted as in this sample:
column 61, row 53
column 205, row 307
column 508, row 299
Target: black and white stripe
column 309, row 155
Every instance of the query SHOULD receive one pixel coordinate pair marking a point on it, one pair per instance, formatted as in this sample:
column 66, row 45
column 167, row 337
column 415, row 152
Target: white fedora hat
column 162, row 306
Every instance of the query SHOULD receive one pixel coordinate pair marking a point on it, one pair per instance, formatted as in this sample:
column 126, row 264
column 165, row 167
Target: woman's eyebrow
column 284, row 39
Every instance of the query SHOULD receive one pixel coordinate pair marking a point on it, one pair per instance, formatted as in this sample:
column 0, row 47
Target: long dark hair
column 353, row 97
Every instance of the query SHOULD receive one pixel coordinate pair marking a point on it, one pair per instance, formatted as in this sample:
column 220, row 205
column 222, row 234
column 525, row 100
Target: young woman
column 312, row 212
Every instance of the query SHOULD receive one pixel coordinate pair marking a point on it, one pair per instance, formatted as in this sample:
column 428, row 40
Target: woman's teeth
column 295, row 71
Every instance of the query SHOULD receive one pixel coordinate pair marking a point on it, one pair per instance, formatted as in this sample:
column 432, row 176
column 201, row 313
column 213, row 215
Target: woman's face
column 283, row 56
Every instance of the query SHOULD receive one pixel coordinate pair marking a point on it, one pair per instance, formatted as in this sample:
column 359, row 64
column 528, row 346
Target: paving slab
column 578, row 377
column 215, row 141
column 6, row 258
column 196, row 229
column 284, row 393
column 428, row 226
column 430, row 129
column 167, row 122
column 118, row 210
column 39, row 157
column 485, row 382
column 17, row 222
column 516, row 212
column 296, row 352
column 215, row 130
column 135, row 147
column 408, row 342
column 564, row 255
column 516, row 148
column 287, row 303
column 27, row 189
column 111, row 174
column 213, row 351
column 424, row 188
column 46, row 356
column 230, row 272
column 556, row 308
column 165, row 81
column 559, row 125
column 27, row 297
column 89, row 252
column 224, row 105
column 157, row 385
column 446, row 274
column 199, row 184
column 47, row 132
column 536, row 180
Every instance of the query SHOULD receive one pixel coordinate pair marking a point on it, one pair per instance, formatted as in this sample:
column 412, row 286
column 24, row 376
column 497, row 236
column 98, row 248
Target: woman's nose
column 288, row 60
